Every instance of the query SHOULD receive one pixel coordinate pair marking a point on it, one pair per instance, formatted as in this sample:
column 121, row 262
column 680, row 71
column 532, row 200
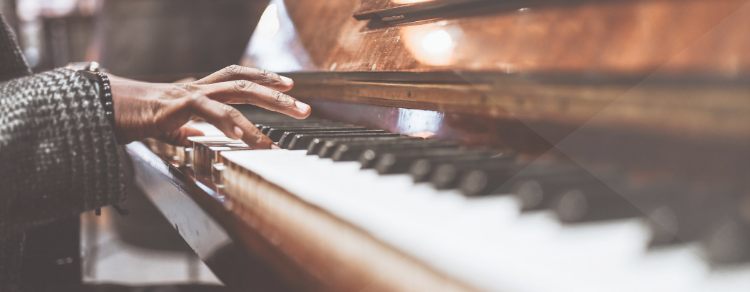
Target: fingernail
column 238, row 132
column 286, row 80
column 275, row 147
column 301, row 106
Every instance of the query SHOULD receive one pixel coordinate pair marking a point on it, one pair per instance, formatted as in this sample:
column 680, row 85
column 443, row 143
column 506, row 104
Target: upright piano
column 480, row 145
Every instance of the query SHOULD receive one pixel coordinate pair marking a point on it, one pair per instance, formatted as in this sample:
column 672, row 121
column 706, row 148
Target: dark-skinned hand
column 161, row 110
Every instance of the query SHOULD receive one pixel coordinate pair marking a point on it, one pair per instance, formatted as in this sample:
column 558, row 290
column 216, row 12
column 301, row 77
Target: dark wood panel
column 701, row 109
column 395, row 9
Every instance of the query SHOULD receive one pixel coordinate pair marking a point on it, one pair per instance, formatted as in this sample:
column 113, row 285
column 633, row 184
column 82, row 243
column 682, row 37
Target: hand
column 160, row 110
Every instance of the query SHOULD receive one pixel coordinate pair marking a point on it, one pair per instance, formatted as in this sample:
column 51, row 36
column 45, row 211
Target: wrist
column 102, row 83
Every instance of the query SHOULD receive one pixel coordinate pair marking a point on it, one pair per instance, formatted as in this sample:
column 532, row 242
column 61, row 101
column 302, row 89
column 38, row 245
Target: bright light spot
column 423, row 134
column 420, row 123
column 437, row 42
column 268, row 25
column 408, row 1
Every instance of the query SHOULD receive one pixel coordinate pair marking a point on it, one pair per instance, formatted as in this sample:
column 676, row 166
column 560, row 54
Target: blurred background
column 134, row 38
column 155, row 40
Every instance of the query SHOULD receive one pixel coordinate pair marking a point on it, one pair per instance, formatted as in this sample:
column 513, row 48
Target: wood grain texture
column 663, row 37
column 339, row 256
column 706, row 110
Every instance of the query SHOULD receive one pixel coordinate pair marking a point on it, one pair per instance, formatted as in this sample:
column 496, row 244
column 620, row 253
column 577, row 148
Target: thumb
column 179, row 136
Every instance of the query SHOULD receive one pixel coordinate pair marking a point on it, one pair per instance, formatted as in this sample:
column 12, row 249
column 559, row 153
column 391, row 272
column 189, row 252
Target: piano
column 472, row 145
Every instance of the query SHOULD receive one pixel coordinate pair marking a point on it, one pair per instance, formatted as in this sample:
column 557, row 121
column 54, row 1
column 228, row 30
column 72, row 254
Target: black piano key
column 265, row 128
column 372, row 155
column 689, row 217
column 422, row 169
column 449, row 175
column 601, row 202
column 354, row 152
column 277, row 122
column 288, row 136
column 728, row 241
column 401, row 162
column 275, row 133
column 538, row 193
column 302, row 141
column 597, row 202
column 324, row 147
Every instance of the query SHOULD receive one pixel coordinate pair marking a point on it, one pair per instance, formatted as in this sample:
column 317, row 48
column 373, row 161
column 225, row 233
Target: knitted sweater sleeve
column 58, row 155
column 12, row 63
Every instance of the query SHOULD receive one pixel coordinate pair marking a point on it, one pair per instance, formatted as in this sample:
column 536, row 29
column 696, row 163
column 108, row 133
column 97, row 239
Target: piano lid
column 670, row 37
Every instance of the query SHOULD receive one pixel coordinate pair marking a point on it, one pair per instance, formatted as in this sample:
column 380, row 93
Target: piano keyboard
column 490, row 219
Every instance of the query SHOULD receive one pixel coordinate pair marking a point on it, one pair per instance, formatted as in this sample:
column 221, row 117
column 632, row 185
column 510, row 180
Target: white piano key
column 485, row 241
column 206, row 128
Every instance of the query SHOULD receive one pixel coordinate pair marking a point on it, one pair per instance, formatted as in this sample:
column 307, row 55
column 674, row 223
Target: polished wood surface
column 651, row 105
column 640, row 38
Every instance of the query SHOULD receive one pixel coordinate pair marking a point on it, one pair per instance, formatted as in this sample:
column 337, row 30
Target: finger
column 259, row 76
column 185, row 80
column 242, row 91
column 180, row 136
column 229, row 120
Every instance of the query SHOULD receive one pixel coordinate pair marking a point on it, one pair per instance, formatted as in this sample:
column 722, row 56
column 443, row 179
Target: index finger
column 235, row 72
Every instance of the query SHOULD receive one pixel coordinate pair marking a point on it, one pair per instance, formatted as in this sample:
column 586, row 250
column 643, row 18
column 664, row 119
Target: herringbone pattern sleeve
column 58, row 151
column 12, row 64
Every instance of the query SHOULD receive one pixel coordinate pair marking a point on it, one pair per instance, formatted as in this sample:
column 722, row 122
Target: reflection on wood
column 591, row 38
column 650, row 105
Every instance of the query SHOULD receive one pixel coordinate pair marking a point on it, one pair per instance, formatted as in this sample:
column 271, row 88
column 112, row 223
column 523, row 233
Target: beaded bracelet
column 106, row 97
column 105, row 94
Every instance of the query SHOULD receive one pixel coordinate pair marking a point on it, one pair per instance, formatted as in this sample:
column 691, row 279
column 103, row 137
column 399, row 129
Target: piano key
column 324, row 147
column 448, row 175
column 728, row 242
column 728, row 239
column 542, row 192
column 207, row 129
column 528, row 252
column 520, row 246
column 690, row 217
column 288, row 136
column 206, row 154
column 378, row 184
column 371, row 156
column 353, row 152
column 602, row 202
column 275, row 133
column 302, row 141
column 265, row 128
column 401, row 162
column 422, row 169
column 199, row 161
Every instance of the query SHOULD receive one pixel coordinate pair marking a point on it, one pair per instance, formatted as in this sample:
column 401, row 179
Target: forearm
column 57, row 150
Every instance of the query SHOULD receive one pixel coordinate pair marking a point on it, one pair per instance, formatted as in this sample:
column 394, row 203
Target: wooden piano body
column 655, row 89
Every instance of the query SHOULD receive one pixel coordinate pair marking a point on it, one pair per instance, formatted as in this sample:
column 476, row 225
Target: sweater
column 58, row 154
